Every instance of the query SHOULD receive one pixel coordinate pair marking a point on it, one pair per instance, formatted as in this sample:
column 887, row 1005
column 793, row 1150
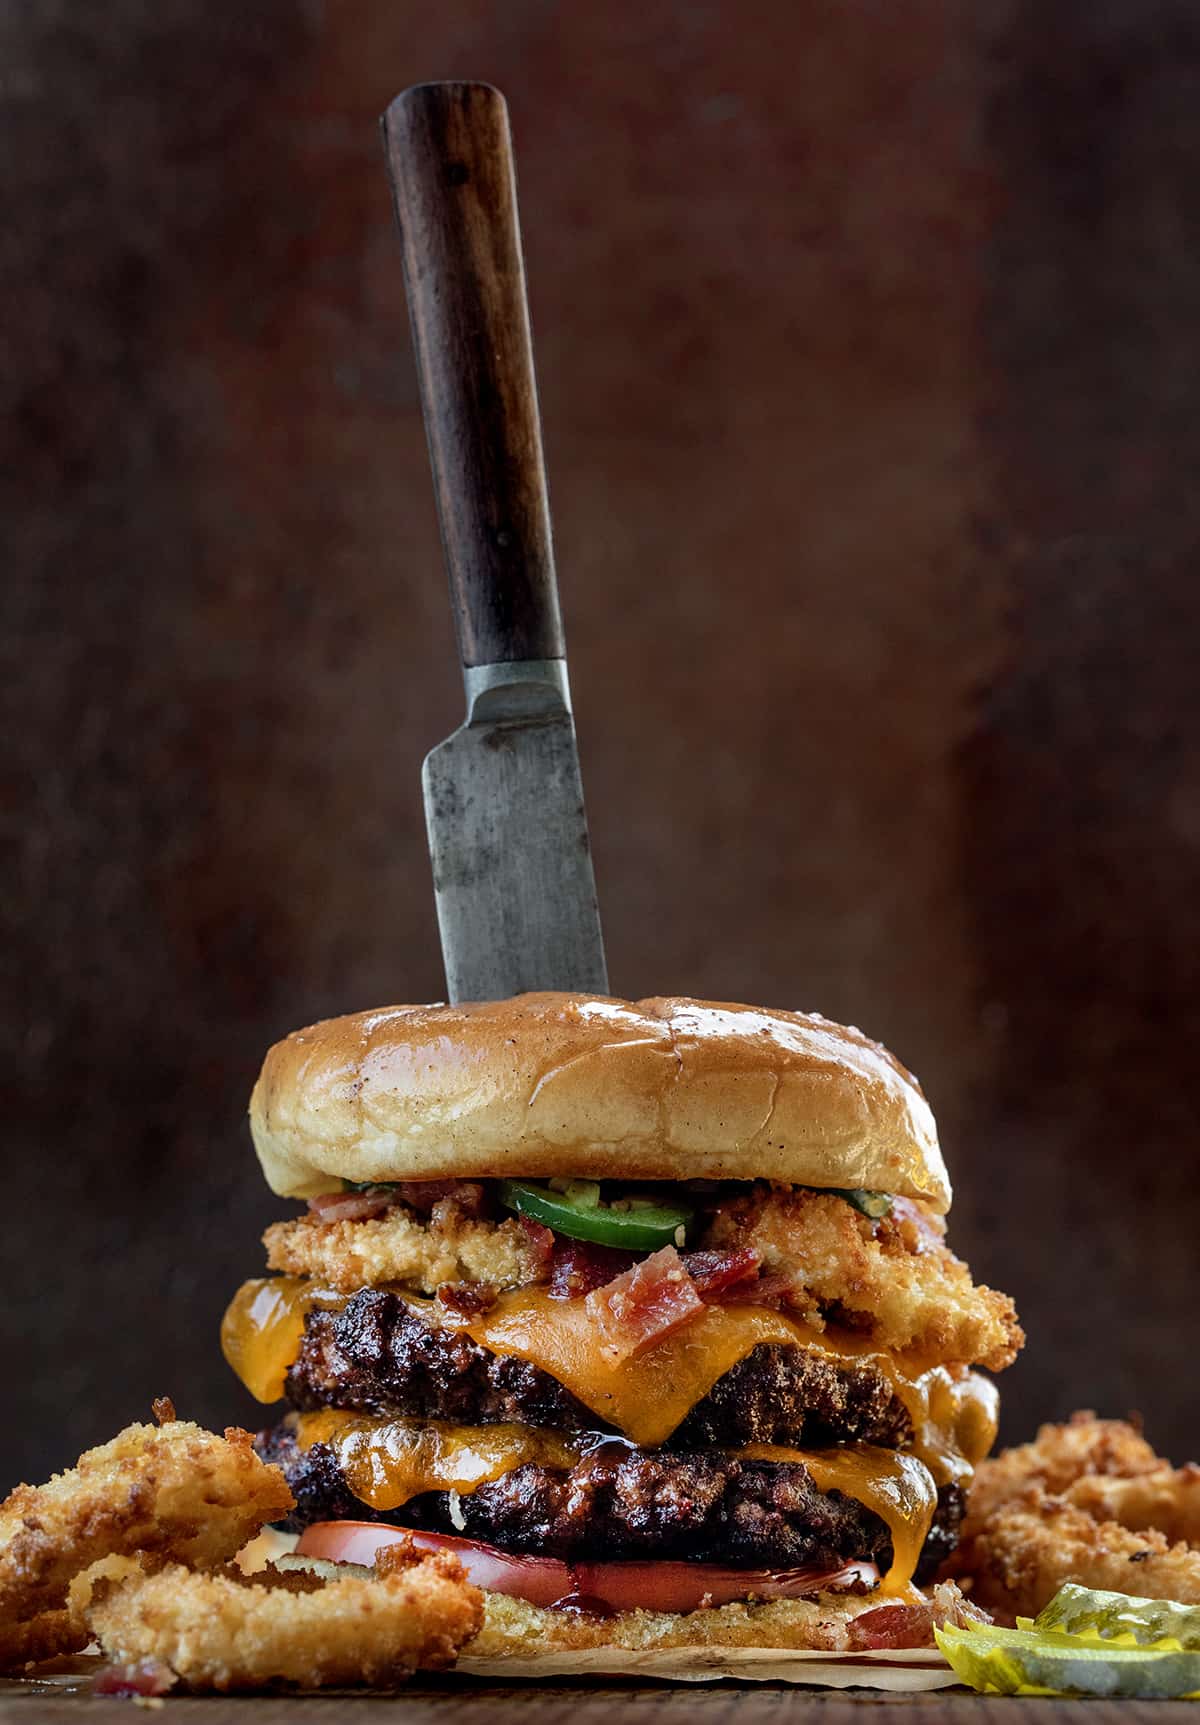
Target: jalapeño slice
column 637, row 1224
column 876, row 1205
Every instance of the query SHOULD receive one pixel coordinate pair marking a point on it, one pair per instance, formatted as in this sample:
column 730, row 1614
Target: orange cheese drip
column 262, row 1329
column 387, row 1461
column 645, row 1396
column 893, row 1484
column 954, row 1414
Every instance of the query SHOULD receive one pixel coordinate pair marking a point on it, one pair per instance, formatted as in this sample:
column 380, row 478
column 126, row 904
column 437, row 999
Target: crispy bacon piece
column 898, row 1625
column 579, row 1266
column 717, row 1273
column 773, row 1289
column 466, row 1197
column 145, row 1677
column 644, row 1304
column 467, row 1299
column 541, row 1240
column 351, row 1206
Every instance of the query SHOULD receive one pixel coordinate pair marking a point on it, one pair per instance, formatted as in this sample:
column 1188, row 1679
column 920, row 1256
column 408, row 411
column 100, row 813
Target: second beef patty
column 624, row 1503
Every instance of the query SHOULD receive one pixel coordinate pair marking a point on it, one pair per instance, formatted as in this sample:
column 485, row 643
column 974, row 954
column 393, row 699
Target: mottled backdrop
column 868, row 346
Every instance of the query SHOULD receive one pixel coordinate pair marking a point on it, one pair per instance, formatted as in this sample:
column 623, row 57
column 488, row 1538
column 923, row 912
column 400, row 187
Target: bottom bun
column 784, row 1641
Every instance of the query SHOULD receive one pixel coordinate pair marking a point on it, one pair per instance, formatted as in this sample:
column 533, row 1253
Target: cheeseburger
column 645, row 1310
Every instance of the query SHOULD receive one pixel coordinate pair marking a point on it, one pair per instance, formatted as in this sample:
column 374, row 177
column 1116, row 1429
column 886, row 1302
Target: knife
column 508, row 837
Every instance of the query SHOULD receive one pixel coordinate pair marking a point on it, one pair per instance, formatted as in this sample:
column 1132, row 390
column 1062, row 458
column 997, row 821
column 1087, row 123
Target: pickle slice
column 1124, row 1618
column 1035, row 1661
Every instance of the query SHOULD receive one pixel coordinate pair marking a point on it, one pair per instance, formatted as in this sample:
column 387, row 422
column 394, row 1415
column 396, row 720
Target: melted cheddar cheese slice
column 387, row 1461
column 953, row 1411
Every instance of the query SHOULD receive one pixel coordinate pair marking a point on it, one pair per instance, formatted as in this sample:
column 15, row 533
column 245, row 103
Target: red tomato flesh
column 667, row 1586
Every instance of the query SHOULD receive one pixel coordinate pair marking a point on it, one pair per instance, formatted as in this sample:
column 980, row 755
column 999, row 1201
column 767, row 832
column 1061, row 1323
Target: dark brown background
column 869, row 360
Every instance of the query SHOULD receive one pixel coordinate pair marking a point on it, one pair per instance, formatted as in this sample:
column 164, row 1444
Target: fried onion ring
column 1090, row 1502
column 1022, row 1556
column 49, row 1635
column 1167, row 1500
column 228, row 1631
column 172, row 1491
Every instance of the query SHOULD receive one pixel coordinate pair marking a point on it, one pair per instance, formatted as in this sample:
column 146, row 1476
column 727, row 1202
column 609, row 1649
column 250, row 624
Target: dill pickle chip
column 1031, row 1661
column 1124, row 1617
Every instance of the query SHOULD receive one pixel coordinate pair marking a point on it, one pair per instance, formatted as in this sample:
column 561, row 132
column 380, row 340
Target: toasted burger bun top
column 583, row 1086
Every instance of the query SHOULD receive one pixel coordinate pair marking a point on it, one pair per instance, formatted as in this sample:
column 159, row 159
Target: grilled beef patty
column 621, row 1502
column 377, row 1356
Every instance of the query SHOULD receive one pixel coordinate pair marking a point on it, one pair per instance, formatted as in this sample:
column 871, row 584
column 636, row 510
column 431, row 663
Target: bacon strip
column 423, row 1196
column 351, row 1206
column 467, row 1197
column 899, row 1625
column 644, row 1304
column 541, row 1241
column 716, row 1273
column 579, row 1266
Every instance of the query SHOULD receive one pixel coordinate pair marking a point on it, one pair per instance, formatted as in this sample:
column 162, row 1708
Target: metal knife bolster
column 512, row 867
column 520, row 689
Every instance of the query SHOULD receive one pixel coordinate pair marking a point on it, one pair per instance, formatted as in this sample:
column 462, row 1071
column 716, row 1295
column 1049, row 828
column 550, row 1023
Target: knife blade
column 508, row 838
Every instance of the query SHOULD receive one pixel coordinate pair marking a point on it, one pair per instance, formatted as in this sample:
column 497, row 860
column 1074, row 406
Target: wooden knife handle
column 449, row 155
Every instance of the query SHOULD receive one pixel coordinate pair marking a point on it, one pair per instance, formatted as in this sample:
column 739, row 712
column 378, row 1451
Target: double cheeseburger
column 643, row 1309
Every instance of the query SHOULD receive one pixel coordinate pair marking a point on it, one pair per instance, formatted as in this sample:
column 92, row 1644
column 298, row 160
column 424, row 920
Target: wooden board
column 455, row 1702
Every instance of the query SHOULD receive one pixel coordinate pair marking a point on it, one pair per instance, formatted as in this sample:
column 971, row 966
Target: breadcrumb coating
column 894, row 1280
column 398, row 1247
column 171, row 1491
column 1060, row 1457
column 47, row 1636
column 1024, row 1553
column 1087, row 1501
column 227, row 1631
column 1167, row 1501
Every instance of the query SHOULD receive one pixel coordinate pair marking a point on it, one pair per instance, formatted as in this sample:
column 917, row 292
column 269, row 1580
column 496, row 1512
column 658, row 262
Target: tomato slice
column 666, row 1586
column 540, row 1580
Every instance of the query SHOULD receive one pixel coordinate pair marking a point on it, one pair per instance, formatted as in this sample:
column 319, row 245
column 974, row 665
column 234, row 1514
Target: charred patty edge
column 376, row 1356
column 622, row 1503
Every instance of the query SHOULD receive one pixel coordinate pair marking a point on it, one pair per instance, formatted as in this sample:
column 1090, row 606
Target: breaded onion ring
column 228, row 1631
column 173, row 1492
column 1022, row 1556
